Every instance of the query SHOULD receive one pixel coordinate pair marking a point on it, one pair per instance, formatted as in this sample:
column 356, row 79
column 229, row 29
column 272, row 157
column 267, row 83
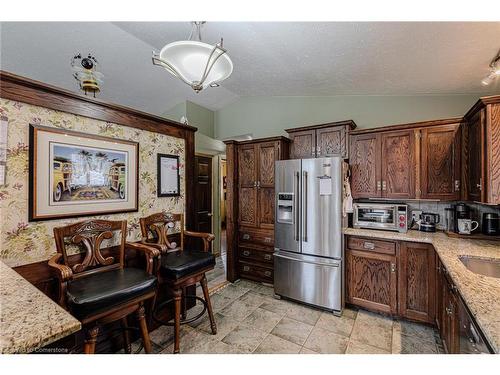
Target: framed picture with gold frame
column 77, row 174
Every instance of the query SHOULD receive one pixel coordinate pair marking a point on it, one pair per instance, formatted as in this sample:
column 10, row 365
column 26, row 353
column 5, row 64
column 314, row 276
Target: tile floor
column 250, row 320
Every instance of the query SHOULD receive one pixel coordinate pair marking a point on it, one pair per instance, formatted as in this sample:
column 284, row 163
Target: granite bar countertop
column 29, row 319
column 480, row 293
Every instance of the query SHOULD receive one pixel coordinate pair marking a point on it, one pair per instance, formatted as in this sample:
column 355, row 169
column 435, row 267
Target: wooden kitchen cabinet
column 449, row 320
column 481, row 151
column 392, row 277
column 383, row 165
column 397, row 164
column 323, row 140
column 303, row 144
column 371, row 277
column 440, row 153
column 250, row 206
column 417, row 282
column 419, row 160
column 364, row 161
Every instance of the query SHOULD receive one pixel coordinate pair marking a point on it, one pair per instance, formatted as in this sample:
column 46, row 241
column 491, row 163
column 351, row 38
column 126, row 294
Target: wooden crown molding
column 481, row 103
column 352, row 125
column 257, row 140
column 29, row 91
column 421, row 124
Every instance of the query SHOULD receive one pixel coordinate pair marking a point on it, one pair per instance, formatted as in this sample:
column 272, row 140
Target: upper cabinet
column 440, row 162
column 420, row 160
column 256, row 180
column 481, row 151
column 398, row 164
column 321, row 140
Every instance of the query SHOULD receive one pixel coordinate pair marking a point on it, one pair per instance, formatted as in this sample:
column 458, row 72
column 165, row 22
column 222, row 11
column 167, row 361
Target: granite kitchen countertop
column 29, row 319
column 480, row 293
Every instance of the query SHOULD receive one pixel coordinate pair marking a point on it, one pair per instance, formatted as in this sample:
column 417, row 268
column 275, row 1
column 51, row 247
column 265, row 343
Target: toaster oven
column 392, row 217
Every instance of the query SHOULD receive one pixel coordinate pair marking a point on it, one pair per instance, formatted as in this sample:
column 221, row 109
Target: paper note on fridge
column 325, row 186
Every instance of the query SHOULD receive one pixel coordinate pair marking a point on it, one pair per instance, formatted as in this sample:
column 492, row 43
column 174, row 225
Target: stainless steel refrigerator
column 308, row 232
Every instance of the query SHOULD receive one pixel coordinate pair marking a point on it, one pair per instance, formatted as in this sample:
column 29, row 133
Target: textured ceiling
column 293, row 59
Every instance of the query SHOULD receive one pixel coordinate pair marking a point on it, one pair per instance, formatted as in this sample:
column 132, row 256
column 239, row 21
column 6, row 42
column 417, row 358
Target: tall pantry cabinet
column 250, row 206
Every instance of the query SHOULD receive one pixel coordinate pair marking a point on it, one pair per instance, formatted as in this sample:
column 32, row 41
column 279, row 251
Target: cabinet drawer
column 255, row 272
column 252, row 236
column 255, row 255
column 367, row 244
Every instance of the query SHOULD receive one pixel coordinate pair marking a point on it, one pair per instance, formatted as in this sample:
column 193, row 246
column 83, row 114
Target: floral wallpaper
column 22, row 242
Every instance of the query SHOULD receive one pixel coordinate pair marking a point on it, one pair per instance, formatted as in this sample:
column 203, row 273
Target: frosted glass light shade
column 189, row 59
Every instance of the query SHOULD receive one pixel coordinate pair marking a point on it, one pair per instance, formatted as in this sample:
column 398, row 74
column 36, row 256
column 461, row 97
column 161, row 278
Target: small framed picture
column 168, row 176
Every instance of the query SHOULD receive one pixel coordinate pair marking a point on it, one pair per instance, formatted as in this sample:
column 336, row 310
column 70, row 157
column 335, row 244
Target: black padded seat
column 104, row 290
column 177, row 264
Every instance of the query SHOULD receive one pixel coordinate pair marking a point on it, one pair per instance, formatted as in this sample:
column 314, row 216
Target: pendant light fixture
column 196, row 63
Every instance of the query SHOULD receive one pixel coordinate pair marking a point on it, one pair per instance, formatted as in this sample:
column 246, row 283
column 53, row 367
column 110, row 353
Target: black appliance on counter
column 490, row 224
column 428, row 221
column 462, row 211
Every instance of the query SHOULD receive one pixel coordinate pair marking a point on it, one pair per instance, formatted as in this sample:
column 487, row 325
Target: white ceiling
column 272, row 58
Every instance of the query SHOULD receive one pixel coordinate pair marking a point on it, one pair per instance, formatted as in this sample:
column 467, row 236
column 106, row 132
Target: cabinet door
column 398, row 164
column 303, row 144
column 372, row 280
column 450, row 333
column 417, row 283
column 247, row 177
column 440, row 165
column 493, row 154
column 475, row 156
column 331, row 142
column 267, row 154
column 364, row 159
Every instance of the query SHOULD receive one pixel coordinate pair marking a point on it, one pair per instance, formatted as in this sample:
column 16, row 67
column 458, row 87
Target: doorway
column 207, row 217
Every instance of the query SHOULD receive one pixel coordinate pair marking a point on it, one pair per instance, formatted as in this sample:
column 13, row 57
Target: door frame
column 208, row 156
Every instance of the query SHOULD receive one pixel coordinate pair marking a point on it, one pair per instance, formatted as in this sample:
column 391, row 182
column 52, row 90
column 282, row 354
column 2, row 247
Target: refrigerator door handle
column 304, row 210
column 296, row 206
column 307, row 261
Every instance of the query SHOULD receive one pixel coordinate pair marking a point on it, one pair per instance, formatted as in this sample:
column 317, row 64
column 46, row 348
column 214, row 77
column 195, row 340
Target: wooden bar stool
column 179, row 267
column 97, row 289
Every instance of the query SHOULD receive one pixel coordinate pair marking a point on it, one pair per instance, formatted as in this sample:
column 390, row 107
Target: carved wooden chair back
column 88, row 236
column 155, row 229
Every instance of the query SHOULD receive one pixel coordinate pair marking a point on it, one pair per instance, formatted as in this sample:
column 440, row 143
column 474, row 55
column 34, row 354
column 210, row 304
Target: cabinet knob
column 384, row 185
column 267, row 256
column 457, row 185
column 393, row 267
column 379, row 186
column 246, row 236
column 268, row 239
column 246, row 268
column 246, row 253
column 267, row 273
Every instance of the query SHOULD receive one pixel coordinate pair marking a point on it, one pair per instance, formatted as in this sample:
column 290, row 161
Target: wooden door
column 398, row 164
column 203, row 188
column 247, row 180
column 267, row 153
column 475, row 155
column 417, row 282
column 303, row 144
column 331, row 142
column 364, row 160
column 440, row 162
column 372, row 280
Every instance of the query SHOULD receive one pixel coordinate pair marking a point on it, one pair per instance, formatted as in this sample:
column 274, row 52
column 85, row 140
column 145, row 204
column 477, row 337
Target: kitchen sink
column 483, row 266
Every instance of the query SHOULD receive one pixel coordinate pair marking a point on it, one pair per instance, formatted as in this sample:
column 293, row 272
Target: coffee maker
column 427, row 222
column 462, row 211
